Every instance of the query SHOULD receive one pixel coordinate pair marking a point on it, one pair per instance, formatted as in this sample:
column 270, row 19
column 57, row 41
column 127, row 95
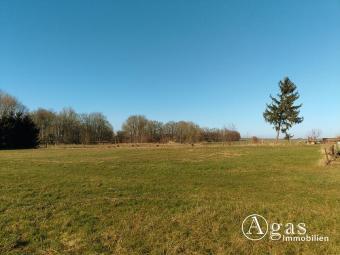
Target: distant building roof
column 331, row 140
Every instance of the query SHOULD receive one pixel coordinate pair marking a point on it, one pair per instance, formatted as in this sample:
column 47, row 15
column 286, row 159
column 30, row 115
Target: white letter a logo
column 255, row 225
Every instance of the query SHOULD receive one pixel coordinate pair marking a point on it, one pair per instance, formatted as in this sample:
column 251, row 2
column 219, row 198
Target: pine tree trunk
column 277, row 136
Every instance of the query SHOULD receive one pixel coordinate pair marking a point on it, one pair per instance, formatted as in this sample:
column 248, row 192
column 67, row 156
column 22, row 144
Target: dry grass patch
column 163, row 200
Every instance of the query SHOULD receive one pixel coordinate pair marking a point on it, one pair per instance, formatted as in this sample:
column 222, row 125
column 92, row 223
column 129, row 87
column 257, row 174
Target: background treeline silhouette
column 17, row 129
column 69, row 127
column 138, row 129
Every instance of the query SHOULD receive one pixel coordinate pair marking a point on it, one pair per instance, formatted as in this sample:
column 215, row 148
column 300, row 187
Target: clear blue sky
column 212, row 62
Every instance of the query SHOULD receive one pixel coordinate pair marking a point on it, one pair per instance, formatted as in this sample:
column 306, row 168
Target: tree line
column 70, row 127
column 139, row 129
column 20, row 128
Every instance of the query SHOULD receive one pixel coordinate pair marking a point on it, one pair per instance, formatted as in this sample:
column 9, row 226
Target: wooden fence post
column 327, row 159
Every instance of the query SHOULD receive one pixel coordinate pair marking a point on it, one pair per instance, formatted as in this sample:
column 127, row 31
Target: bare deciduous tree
column 314, row 135
column 9, row 104
column 137, row 128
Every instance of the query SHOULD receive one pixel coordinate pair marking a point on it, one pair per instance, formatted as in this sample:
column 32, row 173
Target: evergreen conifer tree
column 282, row 112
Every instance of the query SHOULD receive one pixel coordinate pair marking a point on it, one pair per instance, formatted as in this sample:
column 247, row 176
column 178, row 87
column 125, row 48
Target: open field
column 164, row 200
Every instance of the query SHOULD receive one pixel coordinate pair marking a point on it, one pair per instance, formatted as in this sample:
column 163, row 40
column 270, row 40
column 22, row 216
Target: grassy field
column 164, row 200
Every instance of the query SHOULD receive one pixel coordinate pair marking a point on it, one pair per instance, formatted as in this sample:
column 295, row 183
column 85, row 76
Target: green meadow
column 164, row 200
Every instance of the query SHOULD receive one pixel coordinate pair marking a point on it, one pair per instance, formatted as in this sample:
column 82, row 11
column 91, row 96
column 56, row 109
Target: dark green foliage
column 17, row 131
column 282, row 112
